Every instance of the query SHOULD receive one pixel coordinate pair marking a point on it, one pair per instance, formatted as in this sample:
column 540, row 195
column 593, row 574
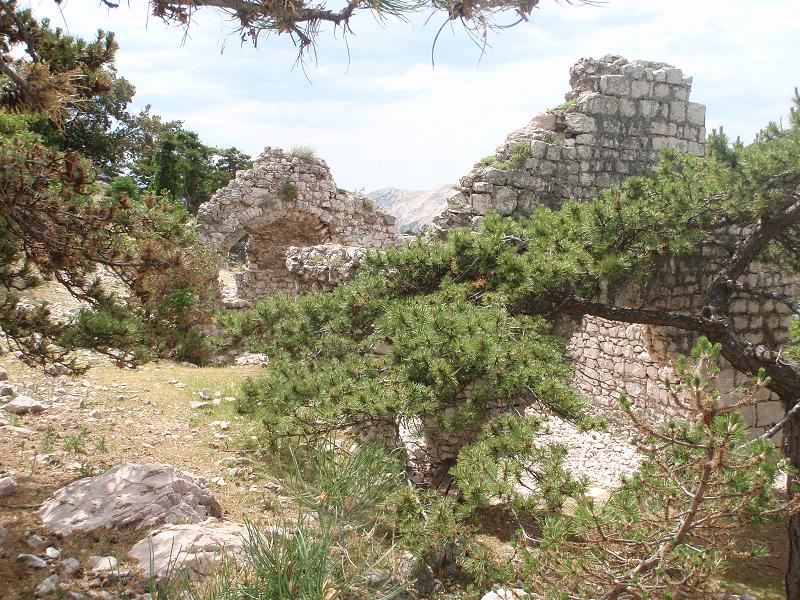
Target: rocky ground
column 77, row 427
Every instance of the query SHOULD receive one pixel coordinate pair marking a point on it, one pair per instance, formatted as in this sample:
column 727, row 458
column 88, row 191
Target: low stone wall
column 325, row 266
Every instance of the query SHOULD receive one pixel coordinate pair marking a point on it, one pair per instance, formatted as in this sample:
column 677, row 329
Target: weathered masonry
column 617, row 118
column 287, row 200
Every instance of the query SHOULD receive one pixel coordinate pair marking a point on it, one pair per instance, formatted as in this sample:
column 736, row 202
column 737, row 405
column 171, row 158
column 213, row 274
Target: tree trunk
column 792, row 444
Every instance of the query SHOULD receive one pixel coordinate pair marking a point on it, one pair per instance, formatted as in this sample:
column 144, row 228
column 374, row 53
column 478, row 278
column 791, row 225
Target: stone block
column 648, row 108
column 677, row 111
column 505, row 201
column 695, row 148
column 578, row 123
column 640, row 89
column 674, row 76
column 634, row 71
column 538, row 149
column 627, row 108
column 545, row 120
column 602, row 104
column 696, row 114
column 680, row 93
column 553, row 152
column 480, row 203
column 769, row 413
column 615, row 85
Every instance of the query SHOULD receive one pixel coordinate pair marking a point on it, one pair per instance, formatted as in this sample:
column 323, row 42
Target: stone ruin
column 618, row 117
column 290, row 200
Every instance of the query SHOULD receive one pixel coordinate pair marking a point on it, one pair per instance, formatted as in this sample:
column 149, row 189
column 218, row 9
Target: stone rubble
column 324, row 266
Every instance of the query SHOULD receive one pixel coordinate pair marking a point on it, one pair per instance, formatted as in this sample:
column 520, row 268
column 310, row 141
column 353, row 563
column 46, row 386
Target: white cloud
column 388, row 118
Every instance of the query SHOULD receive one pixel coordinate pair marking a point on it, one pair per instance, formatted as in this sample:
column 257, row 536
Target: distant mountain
column 414, row 210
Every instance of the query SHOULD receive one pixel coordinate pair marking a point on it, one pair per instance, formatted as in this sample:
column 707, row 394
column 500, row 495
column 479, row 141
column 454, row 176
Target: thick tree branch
column 767, row 229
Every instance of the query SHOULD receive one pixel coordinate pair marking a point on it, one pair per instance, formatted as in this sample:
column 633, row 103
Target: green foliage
column 345, row 486
column 666, row 529
column 566, row 104
column 447, row 352
column 505, row 459
column 333, row 554
column 487, row 161
column 289, row 190
column 520, row 152
column 187, row 170
column 74, row 443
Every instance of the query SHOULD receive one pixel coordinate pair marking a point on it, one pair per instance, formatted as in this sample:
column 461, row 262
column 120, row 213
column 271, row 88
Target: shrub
column 566, row 104
column 520, row 152
column 289, row 190
column 306, row 152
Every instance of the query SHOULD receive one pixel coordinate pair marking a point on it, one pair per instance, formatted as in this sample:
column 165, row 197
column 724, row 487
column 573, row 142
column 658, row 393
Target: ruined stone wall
column 288, row 200
column 613, row 358
column 618, row 116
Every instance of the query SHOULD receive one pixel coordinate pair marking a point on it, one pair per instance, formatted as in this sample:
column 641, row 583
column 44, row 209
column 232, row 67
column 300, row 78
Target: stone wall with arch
column 288, row 200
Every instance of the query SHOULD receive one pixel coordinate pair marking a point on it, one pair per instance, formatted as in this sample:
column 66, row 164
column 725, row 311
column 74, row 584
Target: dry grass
column 141, row 418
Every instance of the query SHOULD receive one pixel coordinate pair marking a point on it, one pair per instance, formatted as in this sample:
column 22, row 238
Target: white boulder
column 7, row 486
column 22, row 405
column 141, row 495
column 197, row 548
column 101, row 564
column 505, row 594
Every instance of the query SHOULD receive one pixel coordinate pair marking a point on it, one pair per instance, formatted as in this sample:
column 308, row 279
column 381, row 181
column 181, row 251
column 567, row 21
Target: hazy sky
column 387, row 118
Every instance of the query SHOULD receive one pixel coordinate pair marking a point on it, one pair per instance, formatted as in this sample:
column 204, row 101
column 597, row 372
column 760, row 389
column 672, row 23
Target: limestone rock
column 3, row 374
column 69, row 565
column 198, row 548
column 142, row 495
column 7, row 389
column 22, row 405
column 101, row 564
column 32, row 561
column 46, row 587
column 3, row 536
column 7, row 486
column 505, row 594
